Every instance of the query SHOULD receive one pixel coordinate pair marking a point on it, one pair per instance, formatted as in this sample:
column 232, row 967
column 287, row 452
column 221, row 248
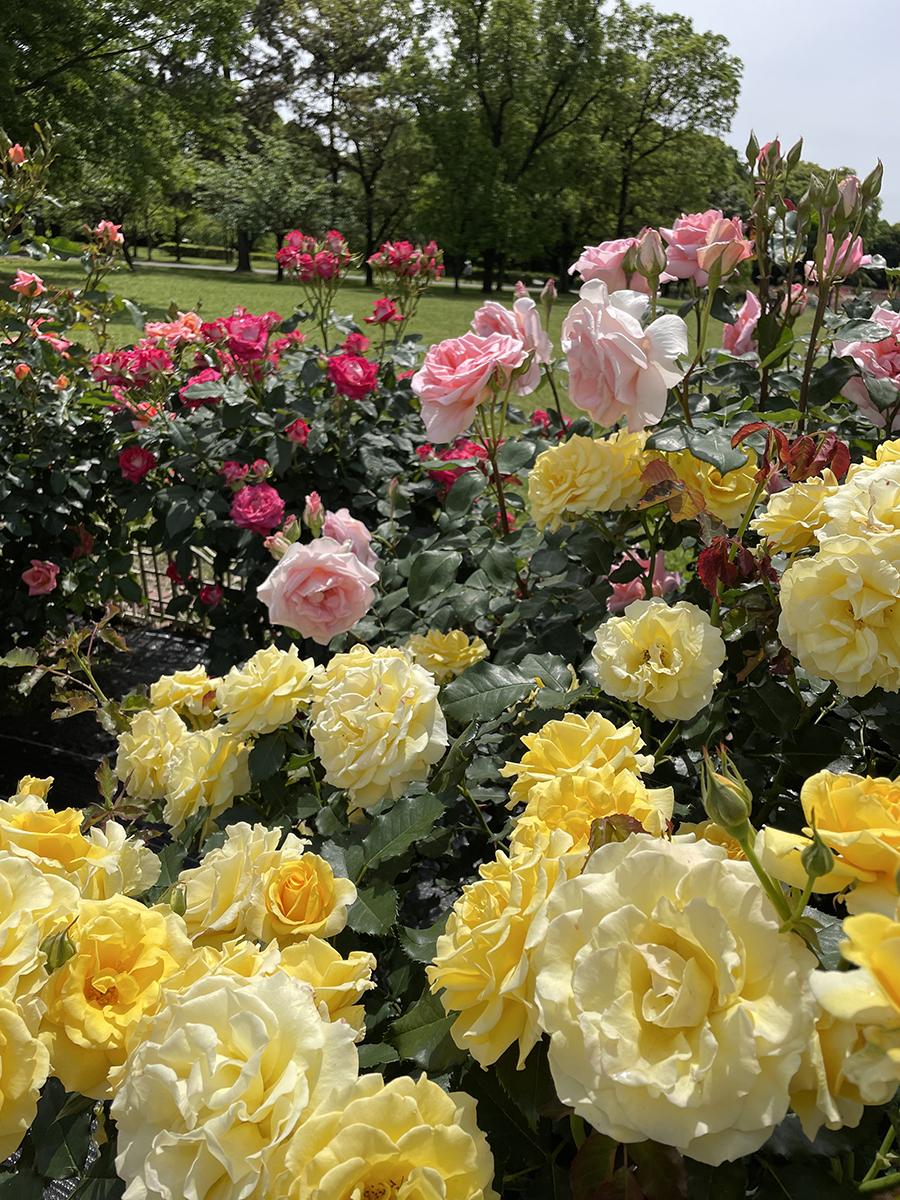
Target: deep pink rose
column 540, row 419
column 234, row 472
column 463, row 451
column 257, row 507
column 352, row 375
column 880, row 359
column 173, row 573
column 740, row 337
column 607, row 263
column 210, row 595
column 202, row 393
column 456, row 377
column 320, row 589
column 384, row 312
column 40, row 577
column 246, row 336
column 522, row 321
column 348, row 530
column 355, row 343
column 298, row 431
column 27, row 285
column 85, row 545
column 135, row 462
column 684, row 240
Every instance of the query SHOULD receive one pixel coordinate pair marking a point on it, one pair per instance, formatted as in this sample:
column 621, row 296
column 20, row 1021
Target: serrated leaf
column 422, row 1036
column 530, row 1089
column 267, row 755
column 374, row 910
column 432, row 572
column 456, row 760
column 376, row 1056
column 61, row 1139
column 420, row 944
column 411, row 818
column 21, row 656
column 484, row 692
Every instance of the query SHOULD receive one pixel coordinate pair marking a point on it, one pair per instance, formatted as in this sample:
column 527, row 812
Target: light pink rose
column 618, row 369
column 606, row 262
column 740, row 337
column 684, row 239
column 522, row 321
column 793, row 303
column 27, row 285
column 662, row 582
column 314, row 513
column 840, row 262
column 456, row 377
column 40, row 578
column 348, row 530
column 725, row 247
column 320, row 589
column 879, row 359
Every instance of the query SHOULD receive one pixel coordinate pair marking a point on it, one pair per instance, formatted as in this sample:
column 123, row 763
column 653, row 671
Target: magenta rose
column 40, row 578
column 522, row 321
column 320, row 589
column 607, row 263
column 298, row 431
column 740, row 337
column 257, row 507
column 456, row 377
column 135, row 462
column 685, row 238
column 210, row 595
column 352, row 375
column 349, row 531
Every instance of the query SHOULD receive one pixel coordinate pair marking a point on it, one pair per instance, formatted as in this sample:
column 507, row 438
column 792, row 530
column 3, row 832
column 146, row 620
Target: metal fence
column 158, row 590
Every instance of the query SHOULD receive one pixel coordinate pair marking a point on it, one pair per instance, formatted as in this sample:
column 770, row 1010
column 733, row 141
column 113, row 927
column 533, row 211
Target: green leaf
column 376, row 1056
column 711, row 445
column 180, row 516
column 464, row 492
column 411, row 818
column 828, row 380
column 101, row 1181
column 21, row 656
column 781, row 348
column 661, row 1171
column 267, row 755
column 422, row 1036
column 515, row 454
column 456, row 760
column 420, row 944
column 374, row 910
column 21, row 1184
column 861, row 331
column 432, row 572
column 61, row 1139
column 484, row 692
column 530, row 1089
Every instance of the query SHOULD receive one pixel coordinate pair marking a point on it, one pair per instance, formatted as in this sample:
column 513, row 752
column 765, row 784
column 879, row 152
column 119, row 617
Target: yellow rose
column 145, row 750
column 887, row 452
column 377, row 1140
column 297, row 897
column 24, row 1066
column 266, row 692
column 377, row 724
column 573, row 802
column 858, row 818
column 823, row 1091
column 727, row 496
column 218, row 1080
column 664, row 657
column 31, row 785
column 481, row 961
column 207, row 769
column 568, row 746
column 840, row 614
column 585, row 475
column 446, row 655
column 709, row 831
column 867, row 504
column 338, row 983
column 794, row 516
column 123, row 953
column 676, row 1009
column 190, row 693
column 117, row 864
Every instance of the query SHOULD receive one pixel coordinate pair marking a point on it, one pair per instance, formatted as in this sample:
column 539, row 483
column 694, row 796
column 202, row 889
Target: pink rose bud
column 740, row 337
column 40, row 578
column 27, row 285
column 319, row 589
column 210, row 595
column 277, row 545
column 16, row 154
column 260, row 468
column 520, row 289
column 848, row 191
column 298, row 431
column 650, row 254
column 109, row 233
column 21, row 371
column 314, row 513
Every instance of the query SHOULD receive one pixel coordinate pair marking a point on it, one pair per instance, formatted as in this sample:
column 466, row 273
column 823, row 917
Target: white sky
column 823, row 70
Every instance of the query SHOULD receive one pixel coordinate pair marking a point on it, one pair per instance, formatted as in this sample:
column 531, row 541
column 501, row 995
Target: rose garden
column 524, row 815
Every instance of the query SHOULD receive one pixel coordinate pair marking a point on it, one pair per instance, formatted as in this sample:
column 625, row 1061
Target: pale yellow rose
column 338, row 983
column 677, row 1010
column 32, row 785
column 664, row 657
column 123, row 953
column 405, row 1139
column 207, row 770
column 709, row 831
column 573, row 802
column 840, row 614
column 267, row 692
column 823, row 1091
column 868, row 503
column 145, row 750
column 886, row 452
column 585, row 475
column 190, row 693
column 24, row 1066
column 481, row 965
column 118, row 864
column 726, row 497
column 794, row 516
column 567, row 746
column 297, row 897
column 446, row 655
column 858, row 818
column 218, row 1080
column 377, row 724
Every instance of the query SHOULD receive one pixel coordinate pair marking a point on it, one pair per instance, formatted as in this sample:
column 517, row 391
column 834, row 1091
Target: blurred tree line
column 512, row 131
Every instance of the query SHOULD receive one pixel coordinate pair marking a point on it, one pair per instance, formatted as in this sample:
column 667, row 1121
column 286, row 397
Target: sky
column 823, row 70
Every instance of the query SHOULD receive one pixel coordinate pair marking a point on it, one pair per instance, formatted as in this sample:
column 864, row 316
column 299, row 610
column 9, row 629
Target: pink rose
column 523, row 322
column 725, row 247
column 794, row 303
column 173, row 573
column 186, row 329
column 740, row 337
column 456, row 377
column 210, row 595
column 314, row 513
column 881, row 360
column 109, row 233
column 540, row 419
column 234, row 472
column 199, row 386
column 320, row 589
column 353, row 376
column 616, row 367
column 662, row 583
column 843, row 262
column 27, row 285
column 355, row 343
column 257, row 507
column 347, row 530
column 384, row 312
column 40, row 577
column 135, row 462
column 684, row 239
column 298, row 431
column 16, row 154
column 607, row 263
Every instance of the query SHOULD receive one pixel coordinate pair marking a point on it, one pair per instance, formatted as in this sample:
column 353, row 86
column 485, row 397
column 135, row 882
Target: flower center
column 383, row 1189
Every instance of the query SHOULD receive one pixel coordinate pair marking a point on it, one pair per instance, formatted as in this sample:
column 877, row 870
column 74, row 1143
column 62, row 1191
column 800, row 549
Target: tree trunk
column 279, row 270
column 176, row 232
column 501, row 267
column 490, row 257
column 243, row 251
